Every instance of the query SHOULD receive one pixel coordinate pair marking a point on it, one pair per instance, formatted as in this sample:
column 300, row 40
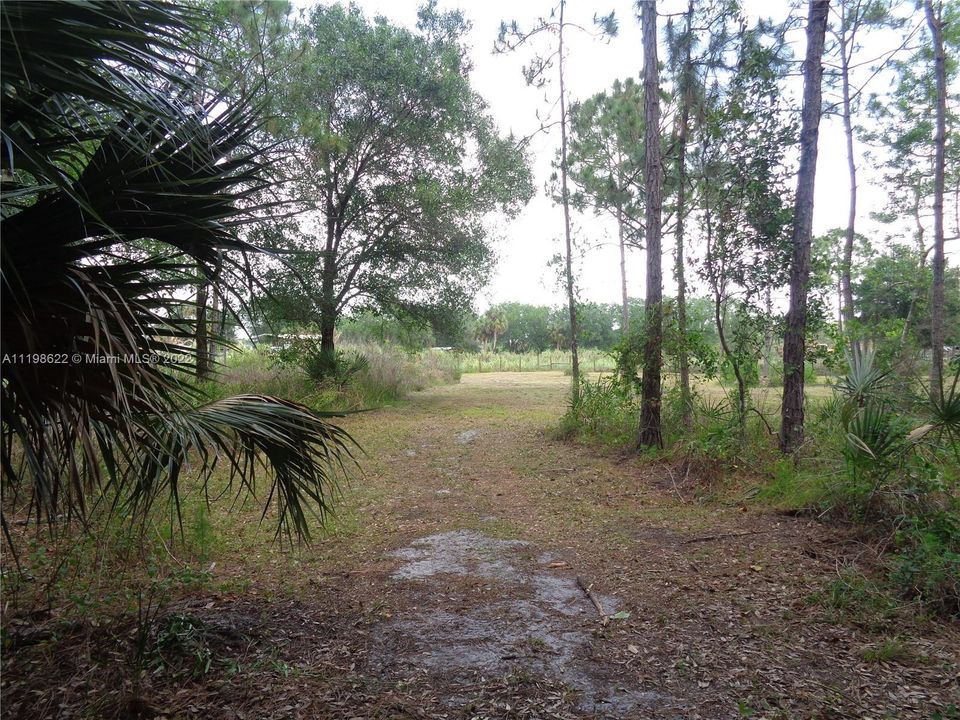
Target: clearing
column 453, row 584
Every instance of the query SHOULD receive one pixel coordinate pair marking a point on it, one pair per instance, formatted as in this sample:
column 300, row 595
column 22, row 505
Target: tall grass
column 389, row 375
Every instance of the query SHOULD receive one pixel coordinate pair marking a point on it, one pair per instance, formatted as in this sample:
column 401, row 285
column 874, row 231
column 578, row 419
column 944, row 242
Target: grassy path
column 719, row 626
column 447, row 587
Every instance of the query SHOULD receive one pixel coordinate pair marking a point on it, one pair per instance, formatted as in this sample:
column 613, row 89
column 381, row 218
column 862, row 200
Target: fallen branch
column 588, row 591
column 765, row 422
column 707, row 538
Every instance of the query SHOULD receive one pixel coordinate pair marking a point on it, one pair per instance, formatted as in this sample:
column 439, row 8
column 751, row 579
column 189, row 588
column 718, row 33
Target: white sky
column 527, row 243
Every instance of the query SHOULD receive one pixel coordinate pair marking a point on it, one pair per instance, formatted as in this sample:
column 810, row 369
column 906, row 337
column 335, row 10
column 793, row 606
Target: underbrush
column 354, row 378
column 875, row 457
column 114, row 600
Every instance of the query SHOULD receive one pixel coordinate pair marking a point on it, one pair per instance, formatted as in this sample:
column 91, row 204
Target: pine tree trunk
column 767, row 337
column 794, row 341
column 625, row 299
column 846, row 285
column 935, row 22
column 679, row 271
column 650, row 429
column 571, row 298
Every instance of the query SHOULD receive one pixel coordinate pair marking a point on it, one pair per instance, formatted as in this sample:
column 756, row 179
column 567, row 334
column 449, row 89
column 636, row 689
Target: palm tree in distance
column 496, row 322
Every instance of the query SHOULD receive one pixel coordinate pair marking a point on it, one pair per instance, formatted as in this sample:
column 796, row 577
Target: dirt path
column 473, row 527
column 448, row 588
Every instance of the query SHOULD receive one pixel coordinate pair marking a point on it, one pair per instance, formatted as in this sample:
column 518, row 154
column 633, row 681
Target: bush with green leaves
column 901, row 468
column 606, row 411
column 336, row 368
column 896, row 463
column 926, row 565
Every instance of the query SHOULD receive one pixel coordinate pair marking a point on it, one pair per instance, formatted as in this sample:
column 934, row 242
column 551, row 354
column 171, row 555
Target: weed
column 950, row 712
column 181, row 644
column 855, row 593
column 790, row 488
column 359, row 376
column 606, row 412
column 537, row 644
column 889, row 650
column 282, row 668
column 201, row 535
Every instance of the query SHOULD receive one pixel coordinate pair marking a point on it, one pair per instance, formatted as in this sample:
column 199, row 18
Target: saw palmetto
column 125, row 181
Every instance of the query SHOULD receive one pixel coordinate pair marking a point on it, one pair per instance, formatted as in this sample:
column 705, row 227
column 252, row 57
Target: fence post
column 520, row 364
column 479, row 367
column 501, row 363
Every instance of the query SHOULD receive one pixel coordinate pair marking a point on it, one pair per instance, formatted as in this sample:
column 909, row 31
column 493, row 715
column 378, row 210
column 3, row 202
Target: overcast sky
column 526, row 244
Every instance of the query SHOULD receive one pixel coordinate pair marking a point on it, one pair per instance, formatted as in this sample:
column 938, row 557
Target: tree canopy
column 395, row 163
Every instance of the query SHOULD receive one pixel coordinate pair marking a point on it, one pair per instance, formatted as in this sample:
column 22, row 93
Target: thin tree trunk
column 794, row 342
column 216, row 330
column 202, row 336
column 328, row 273
column 650, row 429
column 734, row 363
column 571, row 298
column 846, row 286
column 921, row 250
column 625, row 310
column 222, row 329
column 935, row 22
column 679, row 270
column 841, row 325
column 767, row 337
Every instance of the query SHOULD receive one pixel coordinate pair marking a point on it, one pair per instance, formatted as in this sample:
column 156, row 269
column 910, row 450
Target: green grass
column 859, row 598
column 889, row 650
column 591, row 360
column 791, row 489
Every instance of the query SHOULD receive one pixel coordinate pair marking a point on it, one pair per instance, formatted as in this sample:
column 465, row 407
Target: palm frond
column 864, row 379
column 871, row 436
column 130, row 180
column 70, row 68
column 941, row 411
column 296, row 447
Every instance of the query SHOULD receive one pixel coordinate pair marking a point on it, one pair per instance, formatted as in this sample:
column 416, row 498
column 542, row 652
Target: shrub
column 901, row 469
column 927, row 564
column 775, row 377
column 321, row 366
column 749, row 369
column 607, row 413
